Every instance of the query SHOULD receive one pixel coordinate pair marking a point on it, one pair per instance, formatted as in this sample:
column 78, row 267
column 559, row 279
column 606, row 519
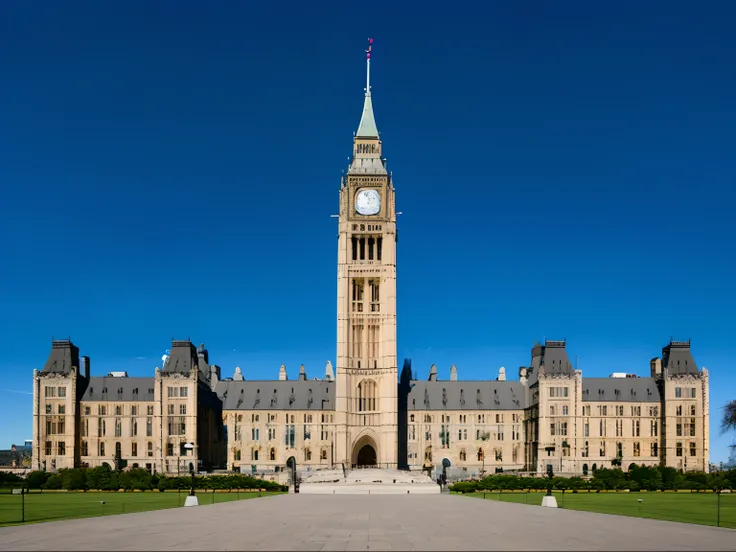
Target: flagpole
column 368, row 67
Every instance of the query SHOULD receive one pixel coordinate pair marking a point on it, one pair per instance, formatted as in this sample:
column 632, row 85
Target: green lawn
column 49, row 506
column 700, row 508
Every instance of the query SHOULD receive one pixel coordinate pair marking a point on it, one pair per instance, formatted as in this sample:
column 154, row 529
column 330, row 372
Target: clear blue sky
column 566, row 170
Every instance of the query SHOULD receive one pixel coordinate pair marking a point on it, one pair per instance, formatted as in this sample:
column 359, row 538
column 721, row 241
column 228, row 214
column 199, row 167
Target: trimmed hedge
column 103, row 478
column 638, row 478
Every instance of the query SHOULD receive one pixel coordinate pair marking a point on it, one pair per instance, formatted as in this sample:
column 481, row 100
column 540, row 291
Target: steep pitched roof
column 102, row 389
column 620, row 390
column 550, row 359
column 63, row 357
column 466, row 395
column 677, row 358
column 276, row 395
column 554, row 360
column 367, row 127
column 182, row 359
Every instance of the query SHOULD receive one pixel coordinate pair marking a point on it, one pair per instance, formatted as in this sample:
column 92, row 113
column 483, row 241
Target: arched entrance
column 366, row 456
column 364, row 452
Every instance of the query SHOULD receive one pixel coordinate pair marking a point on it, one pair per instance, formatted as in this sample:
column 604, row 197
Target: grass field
column 699, row 508
column 49, row 506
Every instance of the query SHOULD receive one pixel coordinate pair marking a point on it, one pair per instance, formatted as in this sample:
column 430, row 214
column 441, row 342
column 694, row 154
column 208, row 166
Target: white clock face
column 368, row 202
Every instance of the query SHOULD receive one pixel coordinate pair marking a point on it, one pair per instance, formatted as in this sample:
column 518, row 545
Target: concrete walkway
column 375, row 522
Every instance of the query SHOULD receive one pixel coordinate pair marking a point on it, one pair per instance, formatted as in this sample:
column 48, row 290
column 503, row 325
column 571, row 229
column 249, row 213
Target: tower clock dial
column 368, row 202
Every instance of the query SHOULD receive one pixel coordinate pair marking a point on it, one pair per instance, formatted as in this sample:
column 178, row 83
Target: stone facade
column 367, row 413
column 83, row 420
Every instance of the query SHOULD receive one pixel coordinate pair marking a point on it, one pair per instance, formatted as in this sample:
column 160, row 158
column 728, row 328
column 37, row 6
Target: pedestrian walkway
column 366, row 522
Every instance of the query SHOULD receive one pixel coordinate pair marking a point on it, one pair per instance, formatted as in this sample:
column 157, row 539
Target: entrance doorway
column 366, row 456
column 365, row 452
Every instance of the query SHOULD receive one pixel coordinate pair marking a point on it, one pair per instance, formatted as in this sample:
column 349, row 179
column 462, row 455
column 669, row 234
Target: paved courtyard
column 375, row 522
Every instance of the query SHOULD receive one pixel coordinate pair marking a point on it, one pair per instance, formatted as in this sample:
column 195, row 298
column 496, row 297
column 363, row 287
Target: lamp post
column 192, row 498
column 549, row 501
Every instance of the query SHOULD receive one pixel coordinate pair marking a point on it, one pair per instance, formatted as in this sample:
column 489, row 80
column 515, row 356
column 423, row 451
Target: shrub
column 464, row 487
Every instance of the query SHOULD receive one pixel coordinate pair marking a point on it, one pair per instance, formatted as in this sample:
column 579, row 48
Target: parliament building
column 366, row 411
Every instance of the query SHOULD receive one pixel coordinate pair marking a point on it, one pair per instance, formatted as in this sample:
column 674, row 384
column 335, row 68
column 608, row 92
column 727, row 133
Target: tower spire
column 367, row 127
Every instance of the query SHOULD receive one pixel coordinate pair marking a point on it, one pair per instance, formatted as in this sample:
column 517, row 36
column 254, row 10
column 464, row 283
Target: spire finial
column 368, row 67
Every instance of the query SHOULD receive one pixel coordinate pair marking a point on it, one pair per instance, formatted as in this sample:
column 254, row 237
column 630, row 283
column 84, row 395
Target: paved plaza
column 374, row 522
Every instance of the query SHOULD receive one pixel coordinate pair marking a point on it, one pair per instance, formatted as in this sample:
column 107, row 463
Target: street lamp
column 192, row 498
column 550, row 475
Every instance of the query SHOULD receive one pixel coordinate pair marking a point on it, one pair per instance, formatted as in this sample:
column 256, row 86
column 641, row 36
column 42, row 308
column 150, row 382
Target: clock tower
column 367, row 384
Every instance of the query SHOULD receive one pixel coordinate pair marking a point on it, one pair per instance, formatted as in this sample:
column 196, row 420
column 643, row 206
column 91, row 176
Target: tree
column 728, row 423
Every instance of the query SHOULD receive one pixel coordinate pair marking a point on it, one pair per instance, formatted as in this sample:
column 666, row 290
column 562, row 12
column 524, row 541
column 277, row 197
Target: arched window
column 480, row 454
column 273, row 454
column 367, row 396
column 254, row 454
column 411, row 418
column 463, row 455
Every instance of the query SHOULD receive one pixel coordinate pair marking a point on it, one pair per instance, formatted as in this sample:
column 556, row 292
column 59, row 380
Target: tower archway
column 365, row 452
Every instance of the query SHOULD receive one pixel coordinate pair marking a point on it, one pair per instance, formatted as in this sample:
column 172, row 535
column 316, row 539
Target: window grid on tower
column 367, row 400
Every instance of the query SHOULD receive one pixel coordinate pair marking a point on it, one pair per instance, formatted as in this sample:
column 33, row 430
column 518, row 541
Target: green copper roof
column 367, row 127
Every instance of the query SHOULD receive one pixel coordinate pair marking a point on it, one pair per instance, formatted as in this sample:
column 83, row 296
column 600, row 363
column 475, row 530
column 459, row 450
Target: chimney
column 453, row 373
column 85, row 366
column 214, row 376
column 433, row 373
column 238, row 375
column 282, row 373
column 501, row 374
column 202, row 353
column 523, row 375
column 329, row 373
column 302, row 373
column 655, row 366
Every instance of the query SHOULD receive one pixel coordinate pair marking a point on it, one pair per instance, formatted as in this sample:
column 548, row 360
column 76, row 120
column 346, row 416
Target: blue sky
column 565, row 170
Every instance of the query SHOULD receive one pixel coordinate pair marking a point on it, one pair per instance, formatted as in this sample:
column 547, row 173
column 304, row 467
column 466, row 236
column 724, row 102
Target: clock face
column 368, row 202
